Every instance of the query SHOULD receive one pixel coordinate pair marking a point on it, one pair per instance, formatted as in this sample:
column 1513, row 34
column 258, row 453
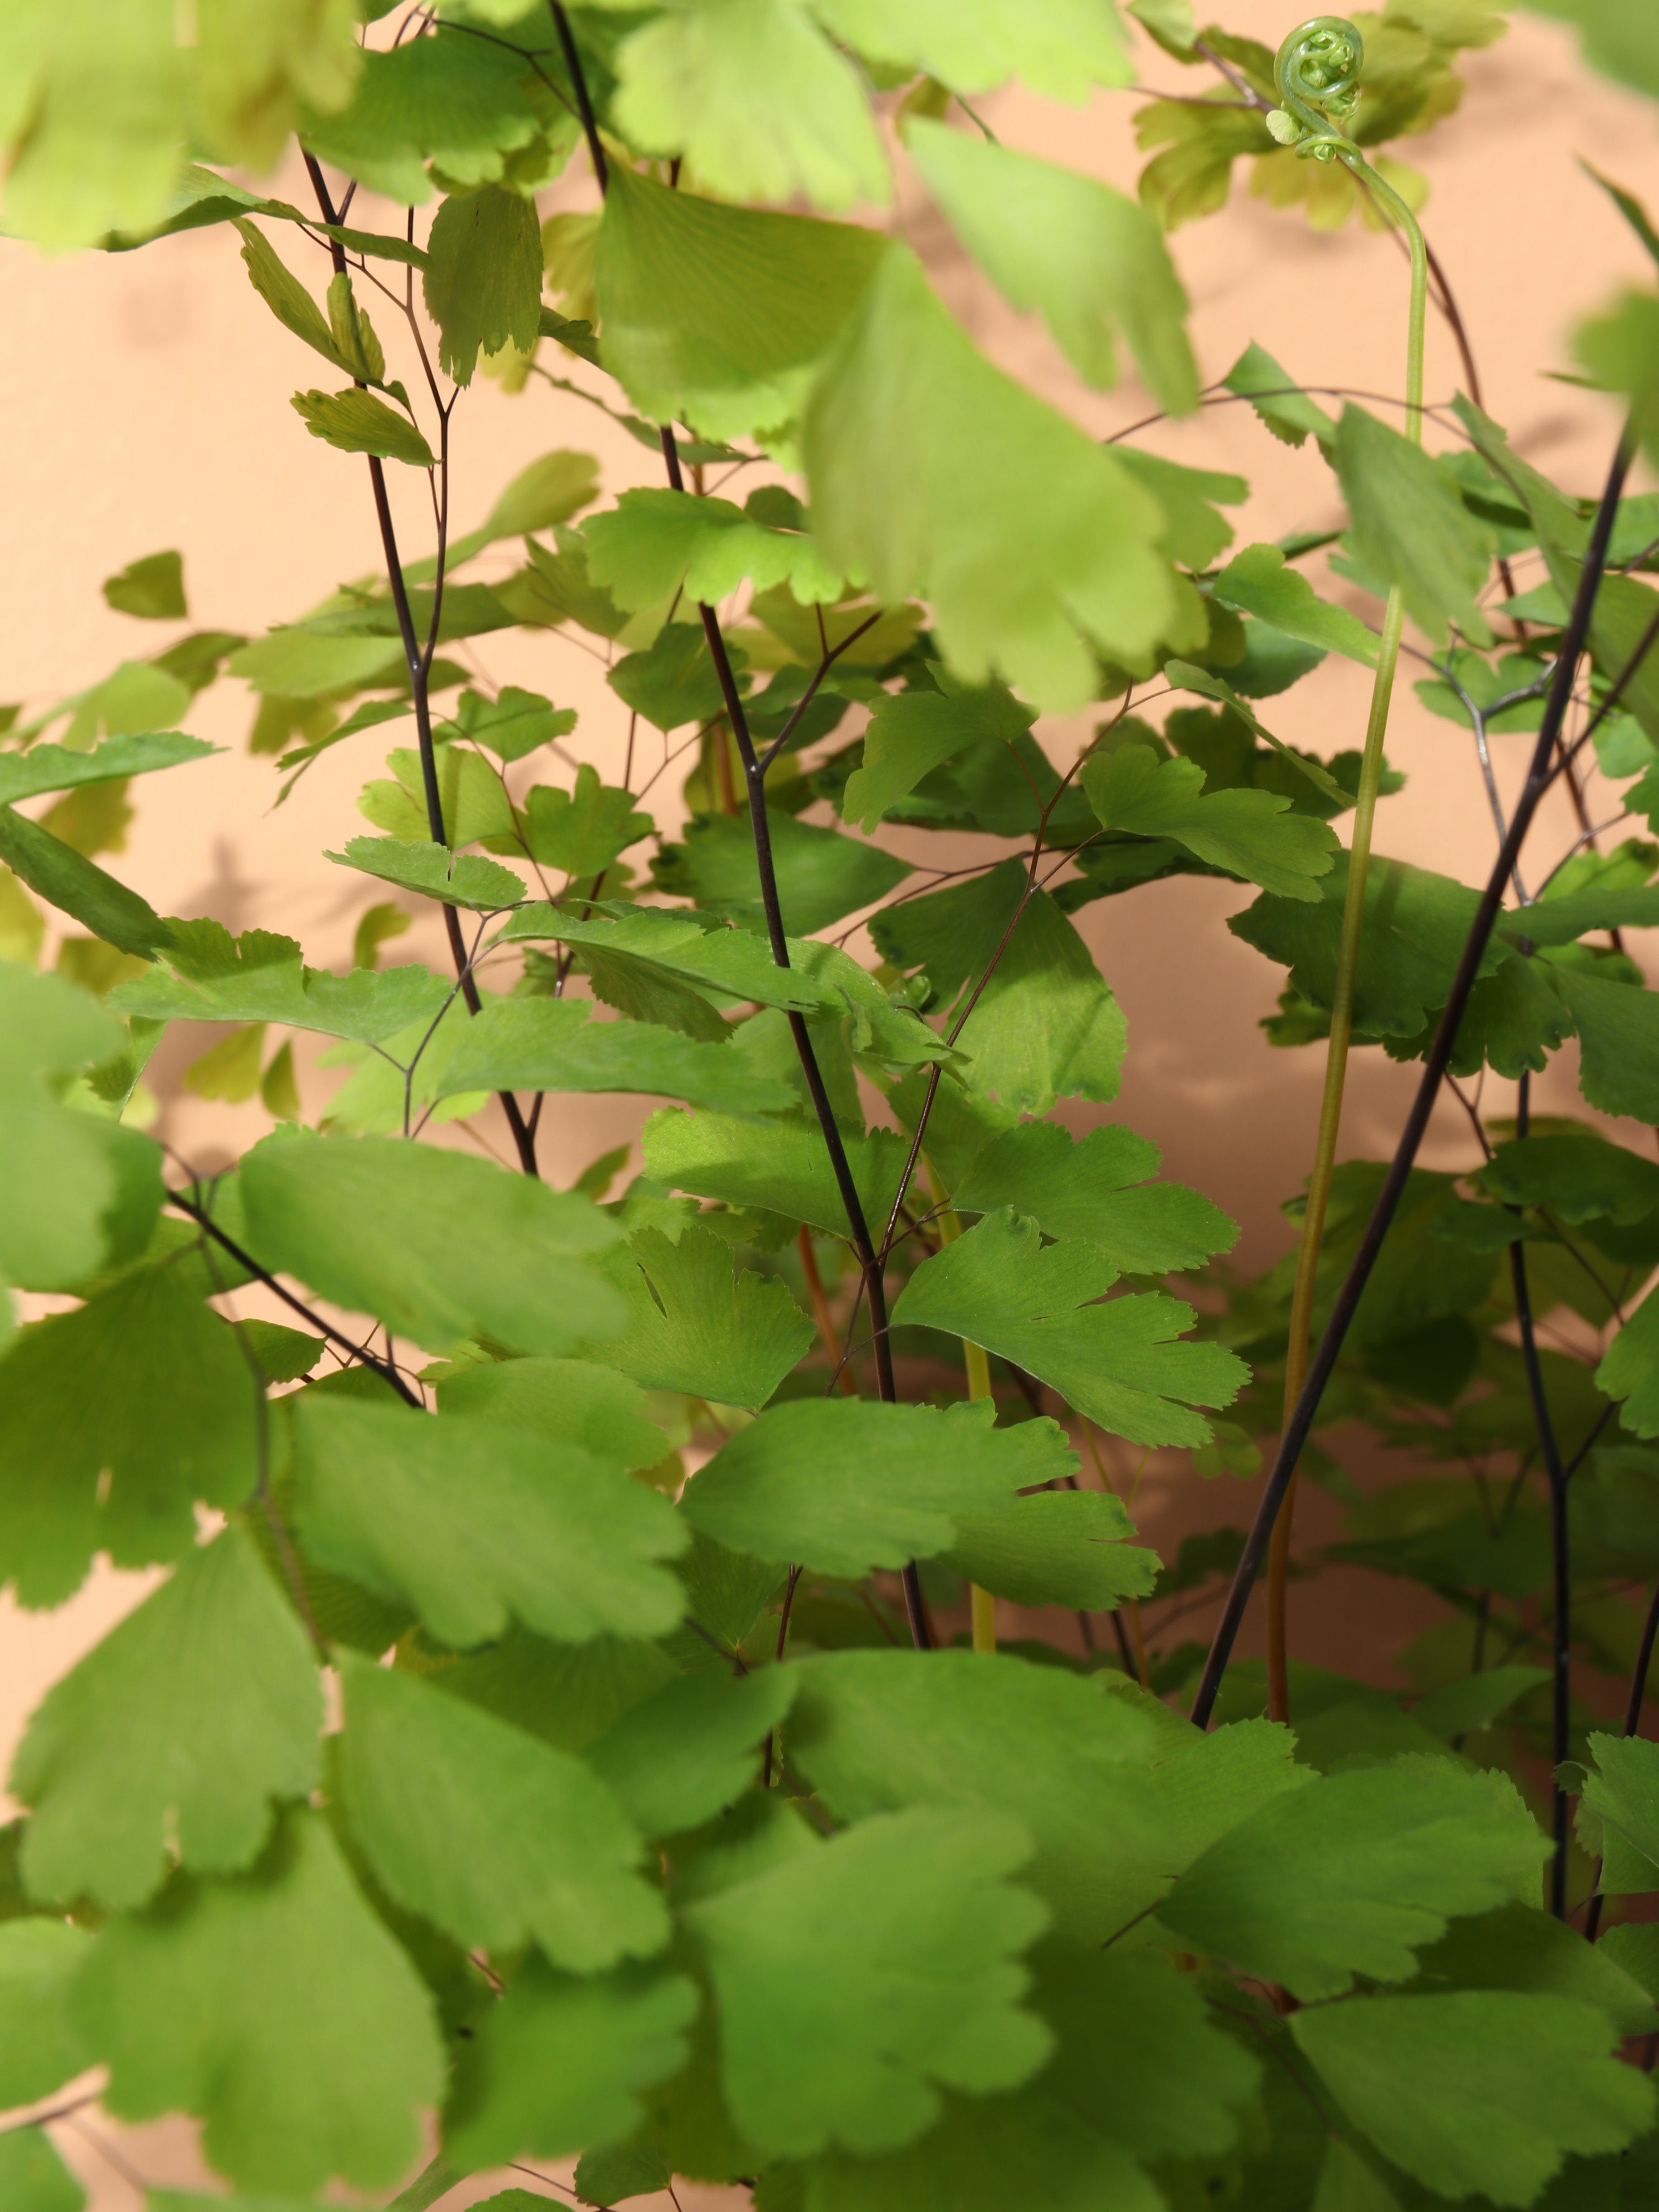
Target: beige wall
column 144, row 399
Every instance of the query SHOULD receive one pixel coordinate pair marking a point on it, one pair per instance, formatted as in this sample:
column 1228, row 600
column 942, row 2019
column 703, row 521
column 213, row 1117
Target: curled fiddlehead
column 1317, row 73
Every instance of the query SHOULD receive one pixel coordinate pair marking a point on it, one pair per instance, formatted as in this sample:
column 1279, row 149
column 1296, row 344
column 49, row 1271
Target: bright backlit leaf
column 1046, row 1025
column 40, row 2047
column 717, row 315
column 1410, row 528
column 483, row 280
column 1044, row 548
column 466, row 880
column 1063, row 50
column 653, row 542
column 358, row 422
column 1091, row 261
column 757, row 99
column 179, row 1728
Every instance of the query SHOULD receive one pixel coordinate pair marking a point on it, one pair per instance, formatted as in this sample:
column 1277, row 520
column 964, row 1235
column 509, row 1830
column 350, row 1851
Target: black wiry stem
column 383, row 1368
column 418, row 660
column 1561, row 1640
column 1336, row 1329
column 578, row 86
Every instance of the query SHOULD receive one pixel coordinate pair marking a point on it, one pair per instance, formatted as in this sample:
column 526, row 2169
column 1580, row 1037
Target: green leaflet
column 1477, row 2091
column 464, row 880
column 472, row 801
column 952, row 934
column 1421, row 1841
column 1291, row 416
column 1119, row 1793
column 780, row 1165
column 33, row 2177
column 437, row 1245
column 473, row 1525
column 464, row 103
column 1259, row 581
column 1116, row 1363
column 568, row 1399
column 1519, row 1947
column 1629, row 1370
column 291, row 663
column 716, row 315
column 1560, row 920
column 487, row 1833
column 358, row 422
column 822, row 873
column 78, row 887
column 1579, row 1178
column 581, row 831
column 1057, row 1547
column 553, row 1044
column 733, row 964
column 1063, row 2164
column 1622, row 1792
column 844, row 1485
column 1063, row 52
column 910, row 733
column 1415, row 925
column 1096, row 1189
column 483, row 280
column 1045, row 547
column 1410, row 528
column 759, row 102
column 50, row 768
column 260, row 977
column 114, row 1420
column 77, row 1191
column 1046, row 1025
column 275, row 2006
column 1617, row 1026
column 1194, row 531
column 670, row 682
column 1248, row 833
column 39, row 2048
column 653, row 542
column 1091, row 261
column 696, row 1329
column 180, row 1728
column 559, row 2063
column 680, row 1756
column 887, row 1951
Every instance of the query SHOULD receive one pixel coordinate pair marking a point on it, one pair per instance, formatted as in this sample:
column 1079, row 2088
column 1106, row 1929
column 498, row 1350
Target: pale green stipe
column 1317, row 73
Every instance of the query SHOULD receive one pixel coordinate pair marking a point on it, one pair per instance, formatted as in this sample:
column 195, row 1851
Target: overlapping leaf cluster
column 518, row 1739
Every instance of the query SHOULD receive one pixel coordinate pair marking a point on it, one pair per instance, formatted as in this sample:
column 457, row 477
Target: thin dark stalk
column 760, row 825
column 584, row 101
column 383, row 1368
column 1539, row 777
column 1561, row 1579
column 418, row 662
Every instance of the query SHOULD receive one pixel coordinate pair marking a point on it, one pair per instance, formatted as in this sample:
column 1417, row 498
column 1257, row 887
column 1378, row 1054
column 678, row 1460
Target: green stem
column 1347, row 964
